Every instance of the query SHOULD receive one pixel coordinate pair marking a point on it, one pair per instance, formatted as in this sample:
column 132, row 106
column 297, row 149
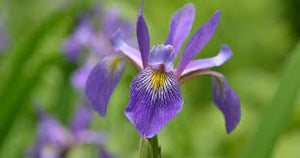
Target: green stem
column 149, row 148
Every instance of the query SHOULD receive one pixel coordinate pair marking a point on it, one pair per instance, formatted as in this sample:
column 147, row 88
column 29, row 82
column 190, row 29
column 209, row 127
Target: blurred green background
column 261, row 33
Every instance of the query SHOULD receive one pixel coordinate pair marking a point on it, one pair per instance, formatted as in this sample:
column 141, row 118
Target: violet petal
column 197, row 42
column 143, row 36
column 81, row 119
column 181, row 24
column 102, row 81
column 128, row 52
column 218, row 60
column 162, row 55
column 80, row 76
column 227, row 101
column 155, row 98
column 50, row 131
column 72, row 49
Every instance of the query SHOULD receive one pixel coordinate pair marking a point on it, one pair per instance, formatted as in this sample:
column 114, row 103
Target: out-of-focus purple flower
column 54, row 140
column 97, row 43
column 155, row 95
column 4, row 39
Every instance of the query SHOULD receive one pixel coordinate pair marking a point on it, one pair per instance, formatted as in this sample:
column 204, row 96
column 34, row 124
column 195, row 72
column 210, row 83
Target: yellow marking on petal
column 114, row 63
column 158, row 79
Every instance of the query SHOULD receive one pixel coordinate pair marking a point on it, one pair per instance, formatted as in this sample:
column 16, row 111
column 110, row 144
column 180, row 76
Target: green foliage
column 276, row 116
column 261, row 39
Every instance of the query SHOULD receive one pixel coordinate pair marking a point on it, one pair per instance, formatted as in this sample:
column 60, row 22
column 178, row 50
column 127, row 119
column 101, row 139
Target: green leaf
column 17, row 86
column 274, row 120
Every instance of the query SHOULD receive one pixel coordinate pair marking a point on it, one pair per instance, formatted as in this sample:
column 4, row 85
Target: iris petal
column 81, row 119
column 80, row 76
column 180, row 26
column 155, row 98
column 226, row 100
column 200, row 64
column 130, row 53
column 113, row 21
column 197, row 42
column 162, row 55
column 50, row 131
column 143, row 37
column 102, row 81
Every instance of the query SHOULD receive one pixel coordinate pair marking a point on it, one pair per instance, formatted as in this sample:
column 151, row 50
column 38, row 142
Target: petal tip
column 115, row 40
column 190, row 6
column 232, row 126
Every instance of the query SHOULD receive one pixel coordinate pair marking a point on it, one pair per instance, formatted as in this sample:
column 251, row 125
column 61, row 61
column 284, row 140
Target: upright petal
column 162, row 55
column 226, row 100
column 155, row 98
column 82, row 119
column 197, row 42
column 102, row 81
column 113, row 21
column 181, row 24
column 143, row 36
column 200, row 64
column 129, row 53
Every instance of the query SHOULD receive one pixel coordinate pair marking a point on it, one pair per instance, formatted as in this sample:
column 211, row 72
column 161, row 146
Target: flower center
column 158, row 79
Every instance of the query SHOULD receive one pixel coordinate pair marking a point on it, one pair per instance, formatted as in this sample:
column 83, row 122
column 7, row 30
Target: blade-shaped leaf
column 276, row 116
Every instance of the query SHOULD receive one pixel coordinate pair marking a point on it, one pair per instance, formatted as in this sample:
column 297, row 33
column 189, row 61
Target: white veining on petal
column 167, row 90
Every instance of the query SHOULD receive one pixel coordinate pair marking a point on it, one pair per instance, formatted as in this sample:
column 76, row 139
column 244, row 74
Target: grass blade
column 276, row 116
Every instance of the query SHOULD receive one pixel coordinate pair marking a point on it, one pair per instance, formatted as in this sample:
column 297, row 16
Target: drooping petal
column 155, row 98
column 181, row 24
column 91, row 137
column 80, row 76
column 82, row 119
column 162, row 55
column 143, row 36
column 102, row 81
column 200, row 64
column 197, row 42
column 226, row 100
column 130, row 53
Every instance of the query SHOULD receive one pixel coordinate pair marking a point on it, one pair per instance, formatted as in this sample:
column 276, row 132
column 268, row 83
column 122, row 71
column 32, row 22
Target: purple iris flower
column 155, row 95
column 54, row 140
column 97, row 43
